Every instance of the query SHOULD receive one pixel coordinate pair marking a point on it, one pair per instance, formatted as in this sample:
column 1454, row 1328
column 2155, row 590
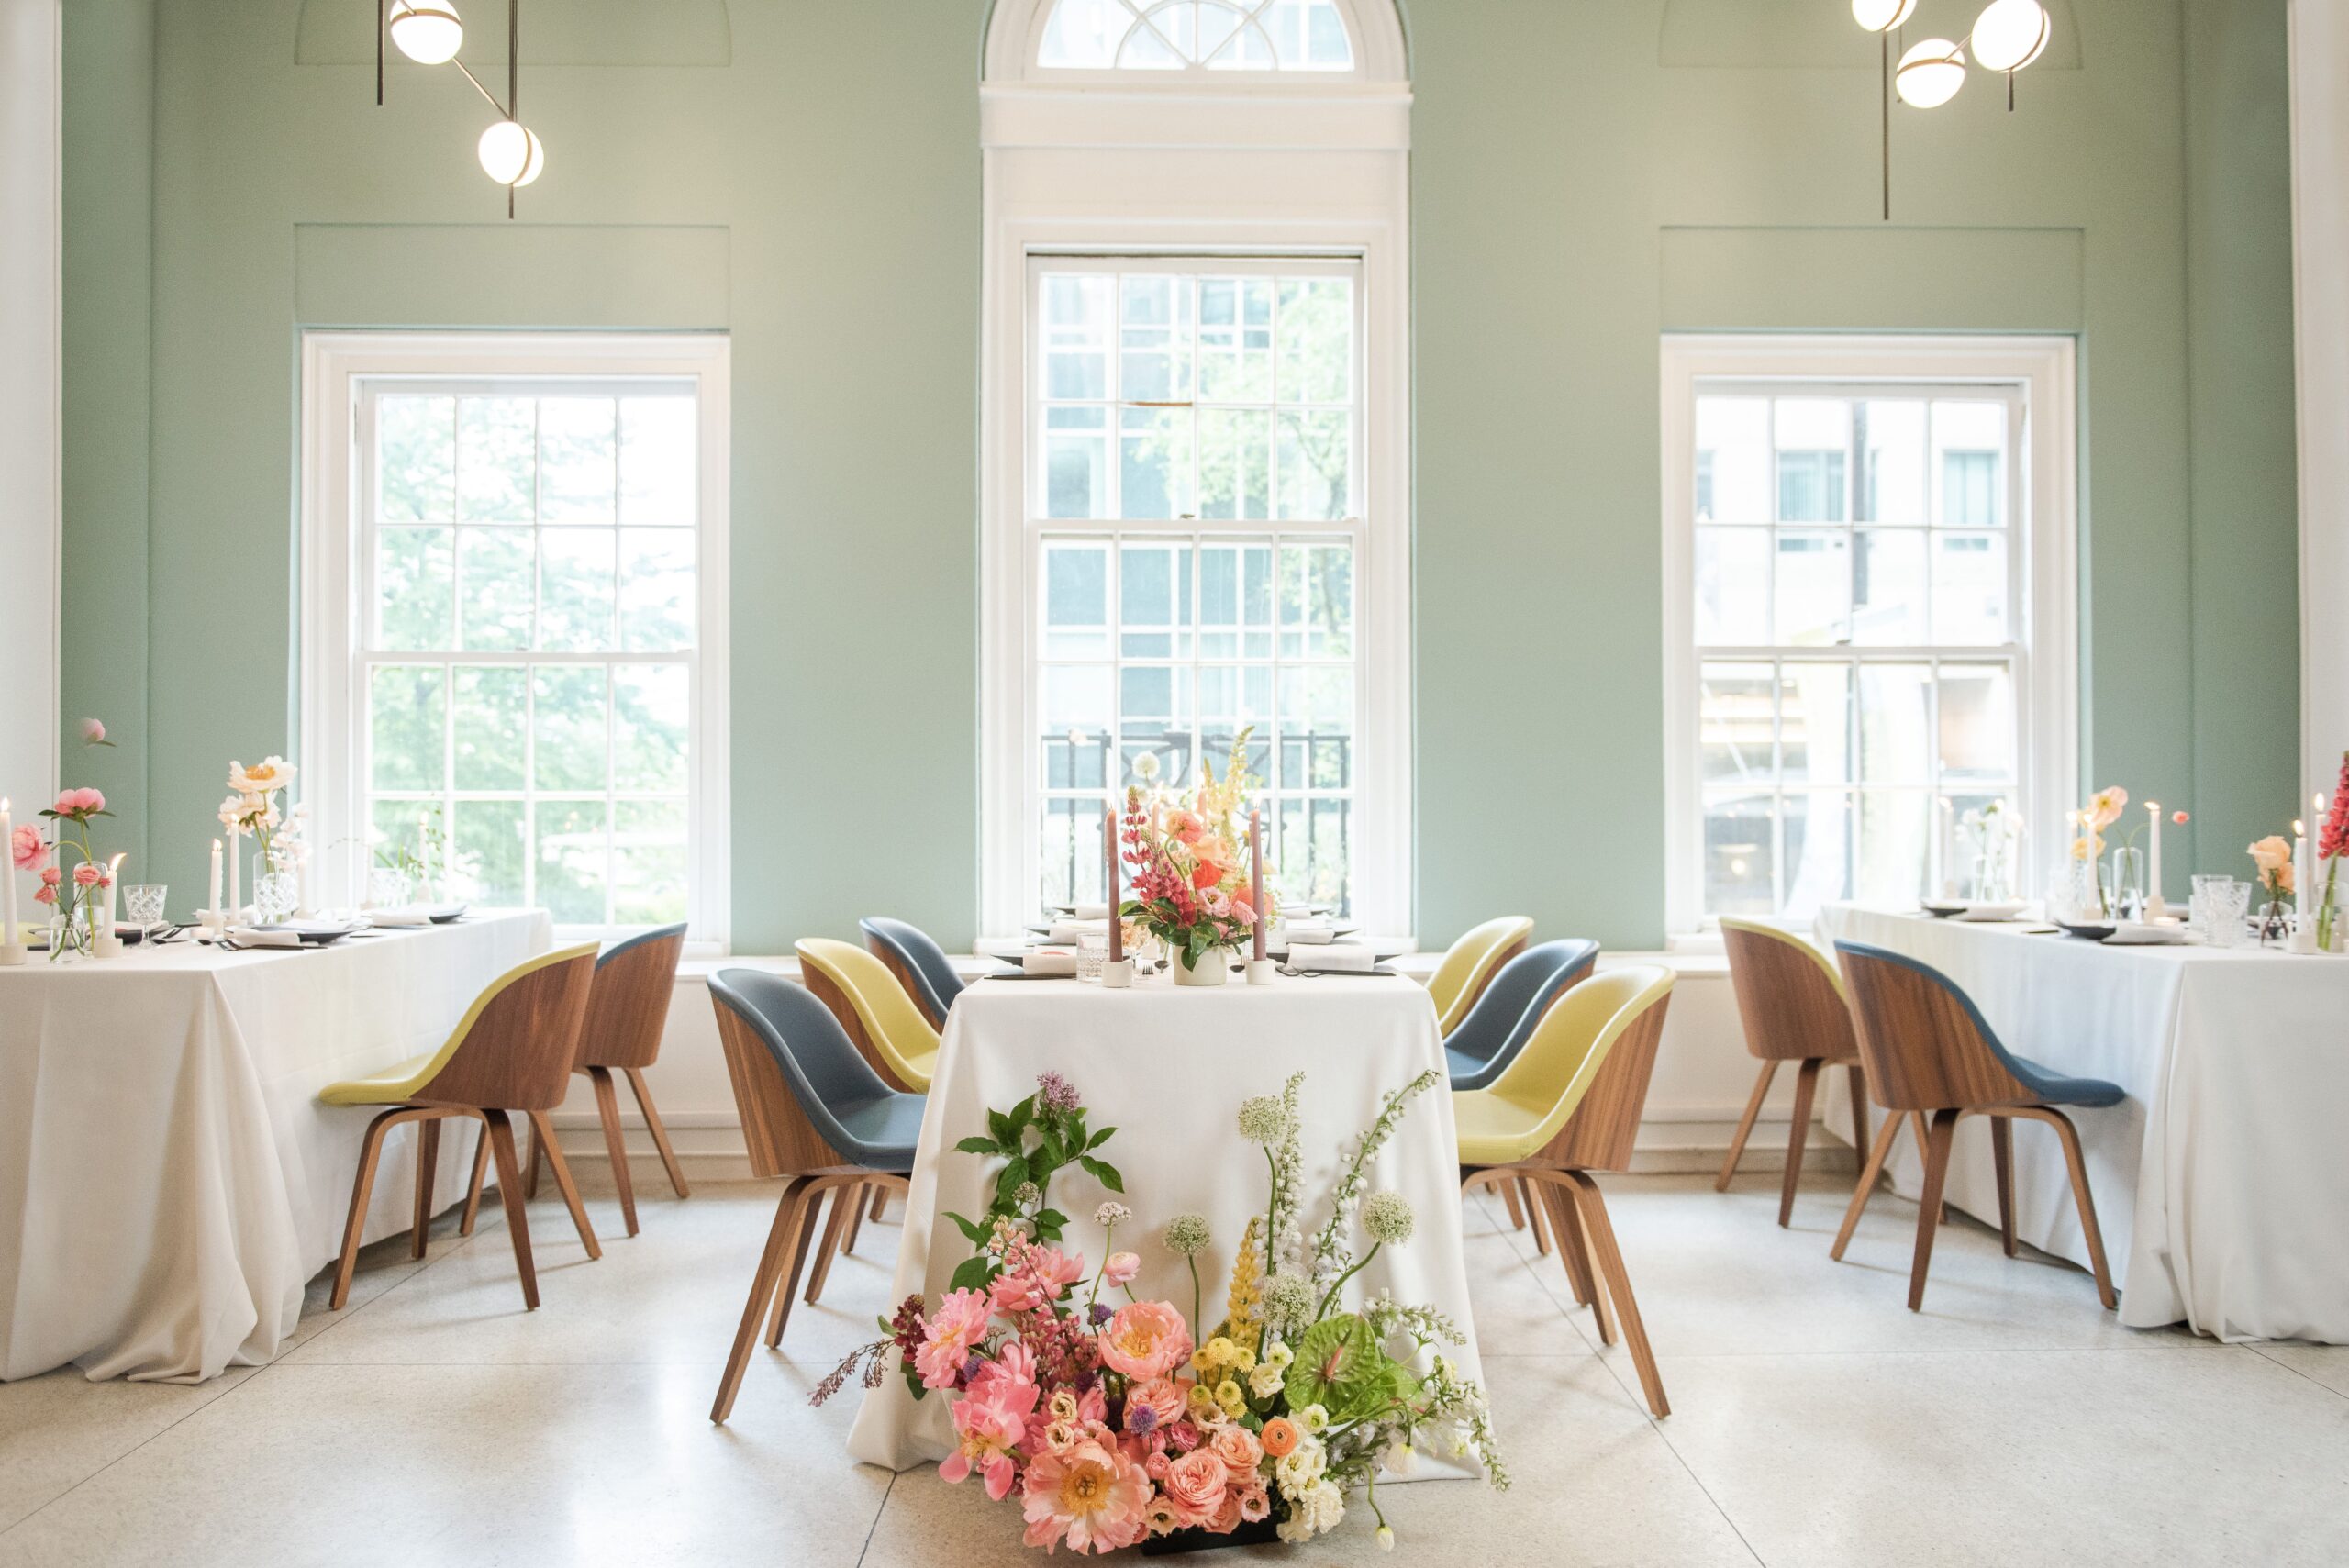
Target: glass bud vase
column 2128, row 883
column 277, row 889
column 387, row 888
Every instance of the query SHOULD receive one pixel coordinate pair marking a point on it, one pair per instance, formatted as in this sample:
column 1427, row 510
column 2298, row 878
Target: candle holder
column 1117, row 974
column 1261, row 970
column 105, row 945
column 2304, row 937
column 11, row 951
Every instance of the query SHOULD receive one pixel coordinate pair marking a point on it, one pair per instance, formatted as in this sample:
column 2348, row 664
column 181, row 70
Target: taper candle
column 1110, row 849
column 1256, row 876
column 212, row 906
column 2154, row 852
column 2302, row 872
column 7, row 876
column 114, row 876
column 235, row 911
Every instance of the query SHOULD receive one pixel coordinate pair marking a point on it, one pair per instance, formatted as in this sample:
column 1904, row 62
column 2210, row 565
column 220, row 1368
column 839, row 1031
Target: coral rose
column 1145, row 1340
column 1162, row 1396
column 87, row 874
column 1239, row 1450
column 1195, row 1483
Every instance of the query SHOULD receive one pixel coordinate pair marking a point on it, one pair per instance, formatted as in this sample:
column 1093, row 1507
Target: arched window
column 1195, row 514
column 1195, row 35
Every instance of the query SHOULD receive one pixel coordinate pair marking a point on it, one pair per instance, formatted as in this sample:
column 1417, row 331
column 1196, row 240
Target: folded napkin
column 1316, row 931
column 1096, row 912
column 2135, row 933
column 262, row 937
column 1339, row 958
column 403, row 918
column 1049, row 961
column 1067, row 932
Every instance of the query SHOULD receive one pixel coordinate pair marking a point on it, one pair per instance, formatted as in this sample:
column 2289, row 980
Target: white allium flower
column 1146, row 767
column 1115, row 1213
column 1187, row 1234
column 1261, row 1119
column 1288, row 1298
column 1387, row 1218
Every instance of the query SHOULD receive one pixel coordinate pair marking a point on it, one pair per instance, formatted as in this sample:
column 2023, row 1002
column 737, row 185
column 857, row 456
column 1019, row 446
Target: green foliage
column 1035, row 1142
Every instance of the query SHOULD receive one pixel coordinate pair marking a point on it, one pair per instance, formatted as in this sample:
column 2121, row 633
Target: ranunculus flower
column 87, row 874
column 1145, row 1340
column 1280, row 1437
column 50, row 876
column 25, row 847
column 2273, row 856
column 1121, row 1269
column 1195, row 1483
column 45, row 894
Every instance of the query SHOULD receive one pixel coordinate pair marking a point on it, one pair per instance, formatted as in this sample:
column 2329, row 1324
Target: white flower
column 1387, row 1217
column 1187, row 1234
column 1314, row 1418
column 1386, row 1538
column 1278, row 1355
column 1400, row 1458
column 1146, row 767
column 1112, row 1213
column 1328, row 1507
column 1261, row 1119
column 1265, row 1381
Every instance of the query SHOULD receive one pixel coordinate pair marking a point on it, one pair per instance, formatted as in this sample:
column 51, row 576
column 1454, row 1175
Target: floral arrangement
column 1995, row 831
column 2272, row 858
column 74, row 896
column 254, row 809
column 1118, row 1423
column 2332, row 844
column 2103, row 809
column 1185, row 854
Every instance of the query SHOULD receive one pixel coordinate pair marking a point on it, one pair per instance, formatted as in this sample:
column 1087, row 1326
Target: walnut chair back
column 1788, row 995
column 519, row 1046
column 634, row 981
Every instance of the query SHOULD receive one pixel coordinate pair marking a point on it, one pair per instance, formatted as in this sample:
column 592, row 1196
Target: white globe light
column 2008, row 34
column 1882, row 16
column 1929, row 75
column 511, row 155
column 427, row 31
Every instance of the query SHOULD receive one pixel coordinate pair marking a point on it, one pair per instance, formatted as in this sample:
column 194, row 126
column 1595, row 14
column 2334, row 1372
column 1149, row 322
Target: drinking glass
column 142, row 905
column 1091, row 952
column 2220, row 903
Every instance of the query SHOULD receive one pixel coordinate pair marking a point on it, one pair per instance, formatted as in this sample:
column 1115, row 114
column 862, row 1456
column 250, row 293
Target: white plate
column 2006, row 911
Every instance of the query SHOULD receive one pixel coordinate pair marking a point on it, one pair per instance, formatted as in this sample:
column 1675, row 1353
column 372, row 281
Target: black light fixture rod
column 488, row 96
column 514, row 85
column 383, row 21
column 1884, row 86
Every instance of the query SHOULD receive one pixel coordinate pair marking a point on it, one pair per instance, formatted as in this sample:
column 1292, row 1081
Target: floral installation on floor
column 1185, row 856
column 1118, row 1424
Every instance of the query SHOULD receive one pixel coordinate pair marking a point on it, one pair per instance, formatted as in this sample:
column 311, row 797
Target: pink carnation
column 1145, row 1339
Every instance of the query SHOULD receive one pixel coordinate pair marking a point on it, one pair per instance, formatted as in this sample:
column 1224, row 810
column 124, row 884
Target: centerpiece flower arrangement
column 255, row 808
column 1185, row 857
column 2272, row 858
column 1124, row 1424
column 75, row 897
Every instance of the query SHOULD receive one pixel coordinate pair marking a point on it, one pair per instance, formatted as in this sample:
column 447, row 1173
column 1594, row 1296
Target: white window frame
column 1128, row 166
column 2043, row 498
column 334, row 578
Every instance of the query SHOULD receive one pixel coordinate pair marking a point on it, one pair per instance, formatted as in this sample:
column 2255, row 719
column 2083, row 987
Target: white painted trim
column 1016, row 31
column 1342, row 114
column 330, row 700
column 2320, row 111
column 2048, row 477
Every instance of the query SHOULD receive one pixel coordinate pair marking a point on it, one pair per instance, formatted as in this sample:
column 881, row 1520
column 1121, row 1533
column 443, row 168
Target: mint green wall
column 1585, row 177
column 804, row 174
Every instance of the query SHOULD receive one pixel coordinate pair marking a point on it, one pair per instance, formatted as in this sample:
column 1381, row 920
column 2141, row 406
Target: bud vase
column 1214, row 968
column 2128, row 883
column 277, row 888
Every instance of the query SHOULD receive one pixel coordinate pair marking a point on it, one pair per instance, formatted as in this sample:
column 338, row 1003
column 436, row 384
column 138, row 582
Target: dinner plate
column 1943, row 909
column 2095, row 933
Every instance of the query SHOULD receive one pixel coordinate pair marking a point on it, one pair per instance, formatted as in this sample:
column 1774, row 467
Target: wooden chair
column 887, row 1029
column 1499, row 1023
column 1470, row 963
column 1929, row 1050
column 512, row 1052
column 813, row 1113
column 921, row 966
column 1570, row 1105
column 1792, row 1004
column 626, row 1012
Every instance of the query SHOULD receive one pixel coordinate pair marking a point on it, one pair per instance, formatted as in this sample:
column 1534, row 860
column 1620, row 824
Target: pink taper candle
column 1256, row 877
column 1117, row 926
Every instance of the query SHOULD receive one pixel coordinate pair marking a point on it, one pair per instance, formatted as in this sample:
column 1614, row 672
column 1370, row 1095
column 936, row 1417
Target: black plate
column 2086, row 933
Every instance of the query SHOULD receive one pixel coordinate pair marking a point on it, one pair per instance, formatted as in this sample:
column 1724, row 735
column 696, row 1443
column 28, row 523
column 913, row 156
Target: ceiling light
column 1929, row 75
column 510, row 155
column 1882, row 16
column 2008, row 34
column 427, row 31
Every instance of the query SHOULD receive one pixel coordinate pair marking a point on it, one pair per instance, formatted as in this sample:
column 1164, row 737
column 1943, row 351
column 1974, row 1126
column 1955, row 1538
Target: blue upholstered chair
column 920, row 964
column 1502, row 1020
column 1928, row 1049
column 814, row 1113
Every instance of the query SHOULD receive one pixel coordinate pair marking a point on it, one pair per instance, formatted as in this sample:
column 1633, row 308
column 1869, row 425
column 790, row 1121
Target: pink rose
column 50, row 876
column 1239, row 1450
column 1162, row 1396
column 1145, row 1340
column 45, row 894
column 26, row 848
column 1227, row 1514
column 1194, row 1483
column 87, row 874
column 1121, row 1269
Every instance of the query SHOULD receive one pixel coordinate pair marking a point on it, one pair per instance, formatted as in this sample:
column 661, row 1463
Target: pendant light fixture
column 430, row 33
column 2008, row 36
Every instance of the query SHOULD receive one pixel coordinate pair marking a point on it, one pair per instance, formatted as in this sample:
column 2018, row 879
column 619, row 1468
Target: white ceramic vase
column 1214, row 968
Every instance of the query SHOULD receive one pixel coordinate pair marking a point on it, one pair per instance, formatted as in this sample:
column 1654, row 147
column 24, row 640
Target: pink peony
column 989, row 1422
column 1014, row 1294
column 87, row 874
column 1121, row 1269
column 1144, row 1339
column 1195, row 1484
column 26, row 848
column 949, row 1336
column 1092, row 1497
column 1239, row 1450
column 78, row 802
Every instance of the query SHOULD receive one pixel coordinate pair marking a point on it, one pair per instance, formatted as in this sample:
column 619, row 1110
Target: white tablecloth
column 168, row 1179
column 2219, row 1182
column 1167, row 1066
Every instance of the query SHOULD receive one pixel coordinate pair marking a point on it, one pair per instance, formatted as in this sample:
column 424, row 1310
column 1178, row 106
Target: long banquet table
column 168, row 1179
column 1167, row 1066
column 2219, row 1182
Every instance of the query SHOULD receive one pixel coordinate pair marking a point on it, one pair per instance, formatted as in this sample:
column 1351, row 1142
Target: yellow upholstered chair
column 882, row 1022
column 512, row 1052
column 1472, row 961
column 1570, row 1105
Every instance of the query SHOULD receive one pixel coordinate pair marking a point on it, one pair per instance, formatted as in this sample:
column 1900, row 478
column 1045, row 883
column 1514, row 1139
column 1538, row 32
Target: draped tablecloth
column 1167, row 1066
column 167, row 1179
column 2219, row 1182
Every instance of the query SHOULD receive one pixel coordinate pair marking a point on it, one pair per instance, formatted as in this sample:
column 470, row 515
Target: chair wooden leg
column 542, row 1134
column 1508, row 1202
column 855, row 1222
column 880, row 1201
column 427, row 1161
column 1574, row 1250
column 608, row 1110
column 1925, row 1152
column 1859, row 1085
column 509, row 1190
column 1609, row 1258
column 1745, row 1125
column 844, row 1200
column 789, row 1281
column 779, row 1237
column 2002, row 1157
column 1533, row 1218
column 2077, row 1164
column 530, row 1179
column 362, row 1186
column 1877, row 1152
column 1945, row 1130
column 1798, row 1137
column 473, row 1188
column 660, row 1135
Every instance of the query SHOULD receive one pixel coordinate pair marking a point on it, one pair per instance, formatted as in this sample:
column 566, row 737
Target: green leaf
column 1052, row 1216
column 973, row 1273
column 1009, row 1180
column 1006, row 1133
column 1335, row 1358
column 1101, row 1137
column 1103, row 1172
column 977, row 1145
column 972, row 1231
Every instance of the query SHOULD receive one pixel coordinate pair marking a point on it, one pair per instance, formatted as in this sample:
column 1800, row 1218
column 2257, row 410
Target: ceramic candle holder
column 1261, row 970
column 12, row 954
column 1118, row 974
column 105, row 945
